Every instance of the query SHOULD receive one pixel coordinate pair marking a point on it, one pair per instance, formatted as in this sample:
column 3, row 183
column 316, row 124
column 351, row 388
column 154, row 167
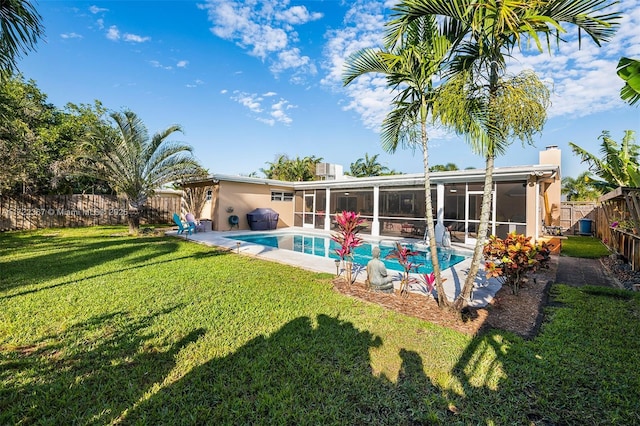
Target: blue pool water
column 326, row 247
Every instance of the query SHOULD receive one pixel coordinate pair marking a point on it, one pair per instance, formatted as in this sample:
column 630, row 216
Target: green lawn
column 97, row 328
column 583, row 246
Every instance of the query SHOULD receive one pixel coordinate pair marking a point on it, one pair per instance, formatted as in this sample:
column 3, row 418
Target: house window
column 209, row 195
column 281, row 196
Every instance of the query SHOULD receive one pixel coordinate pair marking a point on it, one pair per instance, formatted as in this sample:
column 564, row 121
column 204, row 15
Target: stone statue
column 377, row 275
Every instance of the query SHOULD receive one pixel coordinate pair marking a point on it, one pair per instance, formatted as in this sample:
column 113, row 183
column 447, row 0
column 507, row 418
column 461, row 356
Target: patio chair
column 189, row 227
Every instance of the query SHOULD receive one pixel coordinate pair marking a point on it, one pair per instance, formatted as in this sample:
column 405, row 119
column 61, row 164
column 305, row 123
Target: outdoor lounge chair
column 182, row 226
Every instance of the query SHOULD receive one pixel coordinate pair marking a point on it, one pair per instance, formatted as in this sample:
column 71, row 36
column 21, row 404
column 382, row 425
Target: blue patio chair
column 189, row 227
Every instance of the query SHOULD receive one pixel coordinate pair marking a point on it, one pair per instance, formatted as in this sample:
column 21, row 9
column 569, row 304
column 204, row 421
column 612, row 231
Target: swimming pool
column 324, row 246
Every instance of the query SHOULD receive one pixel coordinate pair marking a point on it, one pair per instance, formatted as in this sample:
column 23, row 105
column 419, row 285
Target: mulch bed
column 520, row 314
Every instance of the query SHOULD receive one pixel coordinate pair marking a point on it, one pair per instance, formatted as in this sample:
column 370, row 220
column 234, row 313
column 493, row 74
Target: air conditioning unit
column 327, row 171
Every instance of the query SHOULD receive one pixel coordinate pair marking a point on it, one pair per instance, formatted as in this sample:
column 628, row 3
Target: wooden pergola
column 621, row 210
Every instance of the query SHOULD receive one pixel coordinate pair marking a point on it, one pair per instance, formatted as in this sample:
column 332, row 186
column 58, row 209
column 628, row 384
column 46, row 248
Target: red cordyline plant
column 347, row 237
column 401, row 254
column 511, row 259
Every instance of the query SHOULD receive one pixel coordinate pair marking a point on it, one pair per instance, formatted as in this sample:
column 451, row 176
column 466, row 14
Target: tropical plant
column 484, row 33
column 38, row 141
column 511, row 259
column 368, row 166
column 134, row 164
column 20, row 29
column 292, row 170
column 443, row 167
column 410, row 62
column 629, row 71
column 403, row 255
column 617, row 165
column 582, row 188
column 347, row 238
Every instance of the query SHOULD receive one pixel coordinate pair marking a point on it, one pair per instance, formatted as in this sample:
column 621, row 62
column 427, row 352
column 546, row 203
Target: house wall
column 552, row 155
column 243, row 198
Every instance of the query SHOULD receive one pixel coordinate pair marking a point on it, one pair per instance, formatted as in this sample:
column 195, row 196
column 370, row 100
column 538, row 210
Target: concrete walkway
column 579, row 272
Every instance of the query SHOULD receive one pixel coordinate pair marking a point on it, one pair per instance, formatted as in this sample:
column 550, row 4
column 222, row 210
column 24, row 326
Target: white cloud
column 100, row 23
column 582, row 75
column 265, row 29
column 584, row 79
column 113, row 33
column 297, row 15
column 368, row 95
column 95, row 9
column 134, row 38
column 197, row 83
column 223, row 91
column 157, row 64
column 274, row 112
column 182, row 64
column 70, row 35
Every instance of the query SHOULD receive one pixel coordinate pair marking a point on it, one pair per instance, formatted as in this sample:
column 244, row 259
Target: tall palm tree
column 368, row 166
column 410, row 64
column 487, row 31
column 581, row 188
column 134, row 164
column 617, row 165
column 20, row 29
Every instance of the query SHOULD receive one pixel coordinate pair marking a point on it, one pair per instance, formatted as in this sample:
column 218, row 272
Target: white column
column 439, row 228
column 375, row 225
column 327, row 213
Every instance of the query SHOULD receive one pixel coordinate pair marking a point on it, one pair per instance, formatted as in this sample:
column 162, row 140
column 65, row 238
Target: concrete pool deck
column 483, row 293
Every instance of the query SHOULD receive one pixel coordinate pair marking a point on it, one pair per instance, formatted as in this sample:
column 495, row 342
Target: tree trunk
column 463, row 298
column 433, row 248
column 133, row 219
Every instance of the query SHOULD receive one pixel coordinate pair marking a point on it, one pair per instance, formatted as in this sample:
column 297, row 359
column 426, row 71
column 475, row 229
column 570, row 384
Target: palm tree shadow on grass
column 88, row 373
column 301, row 374
column 62, row 258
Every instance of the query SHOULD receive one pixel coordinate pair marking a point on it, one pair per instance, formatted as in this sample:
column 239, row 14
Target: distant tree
column 368, row 166
column 38, row 141
column 443, row 168
column 292, row 170
column 20, row 29
column 134, row 164
column 617, row 165
column 629, row 71
column 581, row 188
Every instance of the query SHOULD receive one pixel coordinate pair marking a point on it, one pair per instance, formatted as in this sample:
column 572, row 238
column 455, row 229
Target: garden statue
column 377, row 275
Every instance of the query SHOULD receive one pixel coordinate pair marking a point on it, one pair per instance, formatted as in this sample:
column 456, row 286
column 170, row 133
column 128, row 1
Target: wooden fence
column 62, row 211
column 572, row 211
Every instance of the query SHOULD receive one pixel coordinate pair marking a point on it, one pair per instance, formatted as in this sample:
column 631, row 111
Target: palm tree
column 443, row 167
column 410, row 64
column 292, row 170
column 20, row 29
column 618, row 164
column 582, row 188
column 134, row 164
column 484, row 33
column 368, row 166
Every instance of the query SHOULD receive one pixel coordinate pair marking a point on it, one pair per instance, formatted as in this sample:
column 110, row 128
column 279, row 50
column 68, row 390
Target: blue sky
column 249, row 80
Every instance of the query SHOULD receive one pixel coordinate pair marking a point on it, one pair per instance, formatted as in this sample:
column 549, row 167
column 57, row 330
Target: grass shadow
column 89, row 373
column 300, row 374
column 571, row 373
